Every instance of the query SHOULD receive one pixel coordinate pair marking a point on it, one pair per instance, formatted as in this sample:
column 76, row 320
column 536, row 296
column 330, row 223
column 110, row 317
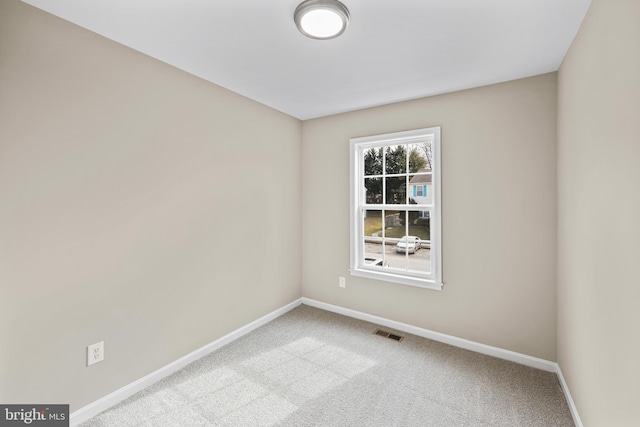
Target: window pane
column 420, row 189
column 373, row 190
column 372, row 229
column 372, row 223
column 373, row 255
column 394, row 224
column 396, row 159
column 420, row 251
column 395, row 255
column 395, row 228
column 373, row 161
column 419, row 224
column 420, row 261
column 396, row 190
column 420, row 156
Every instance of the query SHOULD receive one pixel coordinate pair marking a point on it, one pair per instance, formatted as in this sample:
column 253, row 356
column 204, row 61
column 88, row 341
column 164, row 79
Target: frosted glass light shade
column 321, row 19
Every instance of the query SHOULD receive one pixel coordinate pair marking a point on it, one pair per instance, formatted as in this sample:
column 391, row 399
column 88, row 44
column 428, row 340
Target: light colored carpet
column 315, row 368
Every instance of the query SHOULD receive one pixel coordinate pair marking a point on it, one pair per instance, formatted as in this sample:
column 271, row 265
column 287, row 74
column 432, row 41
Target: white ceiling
column 393, row 50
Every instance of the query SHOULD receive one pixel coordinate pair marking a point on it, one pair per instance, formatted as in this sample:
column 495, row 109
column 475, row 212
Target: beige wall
column 499, row 215
column 599, row 215
column 139, row 205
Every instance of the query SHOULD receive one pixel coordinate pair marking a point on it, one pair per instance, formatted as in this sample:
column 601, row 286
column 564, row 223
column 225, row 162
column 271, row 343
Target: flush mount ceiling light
column 321, row 19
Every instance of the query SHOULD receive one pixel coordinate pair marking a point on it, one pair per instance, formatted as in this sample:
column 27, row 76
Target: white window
column 396, row 234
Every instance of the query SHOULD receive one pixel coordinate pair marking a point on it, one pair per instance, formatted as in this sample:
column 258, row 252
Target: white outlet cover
column 95, row 353
column 342, row 282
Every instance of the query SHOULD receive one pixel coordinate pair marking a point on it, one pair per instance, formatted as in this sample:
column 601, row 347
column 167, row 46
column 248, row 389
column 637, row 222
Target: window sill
column 396, row 278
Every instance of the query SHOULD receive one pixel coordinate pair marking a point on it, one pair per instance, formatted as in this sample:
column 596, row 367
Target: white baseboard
column 500, row 353
column 121, row 394
column 572, row 406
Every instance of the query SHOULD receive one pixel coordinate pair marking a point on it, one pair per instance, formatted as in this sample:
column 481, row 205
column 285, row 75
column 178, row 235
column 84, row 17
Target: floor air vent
column 388, row 335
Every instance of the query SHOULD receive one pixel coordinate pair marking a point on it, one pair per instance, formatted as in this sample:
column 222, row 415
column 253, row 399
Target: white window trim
column 356, row 172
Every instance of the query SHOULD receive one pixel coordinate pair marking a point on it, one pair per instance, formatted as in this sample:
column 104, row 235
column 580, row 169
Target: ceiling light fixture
column 321, row 19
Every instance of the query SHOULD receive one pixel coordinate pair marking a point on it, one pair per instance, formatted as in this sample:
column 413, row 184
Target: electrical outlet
column 342, row 282
column 95, row 353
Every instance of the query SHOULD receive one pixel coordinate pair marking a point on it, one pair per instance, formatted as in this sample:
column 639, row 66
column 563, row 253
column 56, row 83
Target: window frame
column 357, row 147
